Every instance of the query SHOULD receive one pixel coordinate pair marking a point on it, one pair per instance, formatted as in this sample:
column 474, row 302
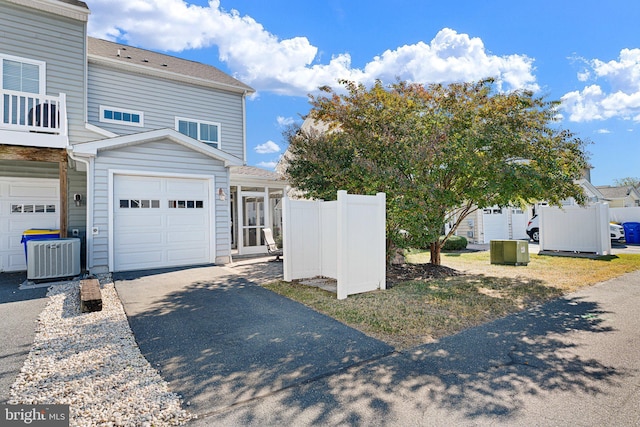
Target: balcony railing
column 29, row 112
column 34, row 120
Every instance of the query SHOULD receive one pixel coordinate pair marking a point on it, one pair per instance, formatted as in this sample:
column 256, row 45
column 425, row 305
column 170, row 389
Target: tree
column 627, row 182
column 438, row 151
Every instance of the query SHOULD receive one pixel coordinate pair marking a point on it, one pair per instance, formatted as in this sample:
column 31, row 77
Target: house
column 626, row 196
column 140, row 154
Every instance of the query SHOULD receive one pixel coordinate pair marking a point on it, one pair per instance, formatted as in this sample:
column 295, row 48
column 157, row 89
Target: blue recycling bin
column 632, row 232
column 38, row 234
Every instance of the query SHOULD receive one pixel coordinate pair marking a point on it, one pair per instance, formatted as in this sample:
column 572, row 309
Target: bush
column 454, row 243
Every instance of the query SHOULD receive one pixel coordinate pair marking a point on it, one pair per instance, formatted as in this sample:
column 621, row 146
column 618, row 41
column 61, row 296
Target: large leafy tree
column 438, row 151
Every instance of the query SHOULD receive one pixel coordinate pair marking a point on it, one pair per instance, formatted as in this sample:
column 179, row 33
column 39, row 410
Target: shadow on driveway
column 514, row 371
column 219, row 339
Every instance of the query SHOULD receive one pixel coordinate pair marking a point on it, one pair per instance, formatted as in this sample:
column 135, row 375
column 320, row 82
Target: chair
column 272, row 248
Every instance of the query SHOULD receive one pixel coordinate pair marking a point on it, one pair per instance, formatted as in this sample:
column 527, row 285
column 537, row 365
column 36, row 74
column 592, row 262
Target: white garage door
column 25, row 203
column 160, row 222
column 496, row 224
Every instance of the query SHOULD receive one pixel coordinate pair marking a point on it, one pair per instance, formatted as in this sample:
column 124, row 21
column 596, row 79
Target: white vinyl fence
column 622, row 215
column 343, row 240
column 575, row 229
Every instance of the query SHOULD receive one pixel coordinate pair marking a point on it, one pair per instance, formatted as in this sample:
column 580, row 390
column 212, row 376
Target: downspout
column 244, row 127
column 89, row 206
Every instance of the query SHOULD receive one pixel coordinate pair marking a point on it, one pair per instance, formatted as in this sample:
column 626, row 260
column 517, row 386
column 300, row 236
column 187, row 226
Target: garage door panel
column 195, row 236
column 187, row 220
column 20, row 198
column 139, row 220
column 134, row 240
column 177, row 232
column 135, row 185
column 186, row 256
column 187, row 186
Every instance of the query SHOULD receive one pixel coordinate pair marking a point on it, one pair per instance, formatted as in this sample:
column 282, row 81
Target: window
column 139, row 203
column 22, row 75
column 121, row 116
column 207, row 132
column 32, row 208
column 186, row 204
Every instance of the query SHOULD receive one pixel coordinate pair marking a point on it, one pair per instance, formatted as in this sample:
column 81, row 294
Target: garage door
column 496, row 224
column 160, row 222
column 25, row 203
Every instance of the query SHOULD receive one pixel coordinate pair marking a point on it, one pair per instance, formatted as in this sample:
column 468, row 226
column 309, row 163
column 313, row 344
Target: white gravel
column 91, row 362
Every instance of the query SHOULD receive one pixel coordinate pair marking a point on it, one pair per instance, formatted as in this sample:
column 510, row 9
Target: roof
column 614, row 192
column 75, row 3
column 142, row 60
column 252, row 171
column 91, row 149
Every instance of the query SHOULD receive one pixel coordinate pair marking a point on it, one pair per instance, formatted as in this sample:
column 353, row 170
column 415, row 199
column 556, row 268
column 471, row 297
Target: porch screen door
column 253, row 221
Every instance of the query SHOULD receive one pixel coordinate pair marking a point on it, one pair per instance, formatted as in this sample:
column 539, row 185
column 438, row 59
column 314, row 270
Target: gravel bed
column 91, row 362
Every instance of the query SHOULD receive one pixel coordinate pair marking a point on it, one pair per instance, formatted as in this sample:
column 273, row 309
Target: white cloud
column 267, row 165
column 291, row 66
column 268, row 147
column 603, row 131
column 285, row 121
column 621, row 94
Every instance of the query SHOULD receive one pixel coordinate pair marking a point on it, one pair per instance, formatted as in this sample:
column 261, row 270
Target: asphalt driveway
column 19, row 310
column 219, row 339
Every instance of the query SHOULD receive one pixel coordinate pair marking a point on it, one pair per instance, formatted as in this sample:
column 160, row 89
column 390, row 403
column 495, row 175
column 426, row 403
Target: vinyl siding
column 161, row 101
column 159, row 157
column 61, row 43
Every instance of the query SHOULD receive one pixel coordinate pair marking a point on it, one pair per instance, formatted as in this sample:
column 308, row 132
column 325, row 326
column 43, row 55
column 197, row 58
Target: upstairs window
column 22, row 75
column 207, row 132
column 121, row 116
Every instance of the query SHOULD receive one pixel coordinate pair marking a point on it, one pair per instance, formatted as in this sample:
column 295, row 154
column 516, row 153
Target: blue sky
column 585, row 53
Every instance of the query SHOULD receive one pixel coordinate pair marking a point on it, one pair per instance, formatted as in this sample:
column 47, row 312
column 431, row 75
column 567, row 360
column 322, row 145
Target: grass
column 417, row 312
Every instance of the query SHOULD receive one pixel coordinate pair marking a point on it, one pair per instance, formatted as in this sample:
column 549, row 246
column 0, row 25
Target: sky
column 584, row 53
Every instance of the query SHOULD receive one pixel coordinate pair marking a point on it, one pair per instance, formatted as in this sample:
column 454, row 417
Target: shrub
column 454, row 243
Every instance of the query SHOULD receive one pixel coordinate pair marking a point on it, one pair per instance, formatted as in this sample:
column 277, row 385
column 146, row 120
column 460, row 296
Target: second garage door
column 160, row 222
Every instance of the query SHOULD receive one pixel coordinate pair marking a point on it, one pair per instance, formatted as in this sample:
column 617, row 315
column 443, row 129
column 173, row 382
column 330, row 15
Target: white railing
column 29, row 112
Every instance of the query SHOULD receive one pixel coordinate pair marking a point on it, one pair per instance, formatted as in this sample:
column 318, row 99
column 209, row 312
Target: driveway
column 19, row 310
column 219, row 339
column 241, row 355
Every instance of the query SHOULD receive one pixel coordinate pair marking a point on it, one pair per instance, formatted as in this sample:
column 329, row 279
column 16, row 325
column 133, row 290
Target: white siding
column 159, row 157
column 61, row 43
column 120, row 89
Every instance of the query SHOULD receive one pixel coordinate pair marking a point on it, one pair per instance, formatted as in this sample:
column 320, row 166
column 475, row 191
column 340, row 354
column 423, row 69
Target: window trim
column 218, row 144
column 104, row 108
column 42, row 70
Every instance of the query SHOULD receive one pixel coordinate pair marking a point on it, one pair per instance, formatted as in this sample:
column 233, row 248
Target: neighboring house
column 626, row 196
column 141, row 154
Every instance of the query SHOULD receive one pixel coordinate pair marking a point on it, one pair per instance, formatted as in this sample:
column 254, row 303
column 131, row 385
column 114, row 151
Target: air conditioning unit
column 53, row 258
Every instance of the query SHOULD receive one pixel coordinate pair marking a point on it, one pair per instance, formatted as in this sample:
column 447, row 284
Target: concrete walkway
column 574, row 361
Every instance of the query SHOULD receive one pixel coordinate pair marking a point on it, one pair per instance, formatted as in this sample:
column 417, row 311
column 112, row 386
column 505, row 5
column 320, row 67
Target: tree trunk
column 435, row 253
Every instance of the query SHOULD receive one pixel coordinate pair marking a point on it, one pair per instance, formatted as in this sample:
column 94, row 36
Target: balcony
column 33, row 120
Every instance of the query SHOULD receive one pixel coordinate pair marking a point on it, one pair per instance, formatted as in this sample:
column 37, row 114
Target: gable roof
column 166, row 66
column 616, row 192
column 91, row 149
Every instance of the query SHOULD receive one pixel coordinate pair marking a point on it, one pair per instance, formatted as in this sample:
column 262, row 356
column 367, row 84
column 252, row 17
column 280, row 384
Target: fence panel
column 361, row 253
column 575, row 229
column 623, row 215
column 344, row 239
column 301, row 236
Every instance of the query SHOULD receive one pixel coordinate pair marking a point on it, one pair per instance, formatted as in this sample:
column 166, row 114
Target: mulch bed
column 407, row 272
